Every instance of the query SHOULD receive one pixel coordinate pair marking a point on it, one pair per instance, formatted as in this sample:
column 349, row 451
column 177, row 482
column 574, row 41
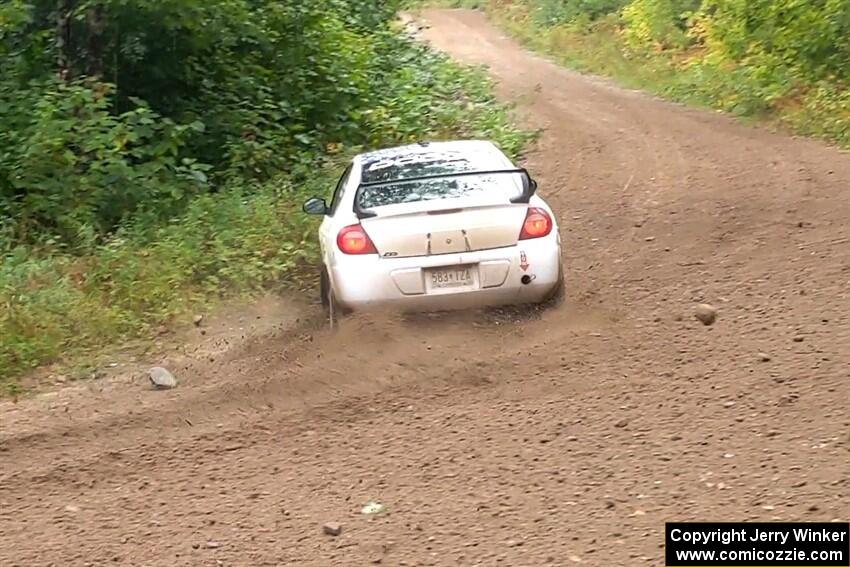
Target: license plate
column 450, row 278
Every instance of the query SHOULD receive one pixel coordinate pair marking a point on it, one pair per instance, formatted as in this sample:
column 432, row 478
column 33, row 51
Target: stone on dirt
column 372, row 508
column 763, row 357
column 161, row 378
column 197, row 320
column 332, row 529
column 706, row 314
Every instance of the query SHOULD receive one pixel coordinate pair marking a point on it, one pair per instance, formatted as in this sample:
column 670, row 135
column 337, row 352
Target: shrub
column 72, row 169
column 657, row 24
column 130, row 201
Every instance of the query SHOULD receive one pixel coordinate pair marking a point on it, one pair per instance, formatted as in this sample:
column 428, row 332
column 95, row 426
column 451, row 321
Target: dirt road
column 568, row 439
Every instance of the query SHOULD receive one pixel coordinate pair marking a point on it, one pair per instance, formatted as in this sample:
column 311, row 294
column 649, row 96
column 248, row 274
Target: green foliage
column 468, row 4
column 809, row 38
column 823, row 112
column 420, row 78
column 660, row 23
column 555, row 12
column 55, row 303
column 173, row 176
column 152, row 90
column 783, row 60
column 71, row 168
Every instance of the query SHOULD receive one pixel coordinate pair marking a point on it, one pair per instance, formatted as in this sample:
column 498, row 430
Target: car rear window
column 394, row 166
column 501, row 187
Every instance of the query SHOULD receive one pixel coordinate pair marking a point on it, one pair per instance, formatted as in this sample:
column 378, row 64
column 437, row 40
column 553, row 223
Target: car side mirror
column 315, row 206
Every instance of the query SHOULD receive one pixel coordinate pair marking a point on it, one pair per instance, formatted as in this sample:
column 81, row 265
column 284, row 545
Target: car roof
column 466, row 155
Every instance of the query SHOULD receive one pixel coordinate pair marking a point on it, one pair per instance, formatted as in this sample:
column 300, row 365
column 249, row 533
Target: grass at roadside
column 745, row 89
column 62, row 305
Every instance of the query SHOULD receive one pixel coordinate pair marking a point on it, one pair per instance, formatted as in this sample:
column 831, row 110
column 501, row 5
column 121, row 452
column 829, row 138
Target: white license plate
column 444, row 278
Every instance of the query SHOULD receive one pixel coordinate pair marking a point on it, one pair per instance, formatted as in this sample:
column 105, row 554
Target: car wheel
column 324, row 288
column 332, row 309
column 557, row 295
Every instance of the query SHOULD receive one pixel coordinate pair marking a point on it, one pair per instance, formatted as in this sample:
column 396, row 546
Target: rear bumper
column 364, row 282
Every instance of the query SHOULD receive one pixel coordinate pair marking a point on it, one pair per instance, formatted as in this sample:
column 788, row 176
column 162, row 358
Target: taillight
column 537, row 224
column 354, row 240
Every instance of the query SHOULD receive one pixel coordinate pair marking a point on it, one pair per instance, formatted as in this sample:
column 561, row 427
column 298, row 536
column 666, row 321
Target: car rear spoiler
column 529, row 186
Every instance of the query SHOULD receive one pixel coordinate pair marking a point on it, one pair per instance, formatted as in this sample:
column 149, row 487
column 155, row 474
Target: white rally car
column 436, row 226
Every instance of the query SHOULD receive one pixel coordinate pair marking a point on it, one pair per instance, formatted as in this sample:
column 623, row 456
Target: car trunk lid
column 429, row 229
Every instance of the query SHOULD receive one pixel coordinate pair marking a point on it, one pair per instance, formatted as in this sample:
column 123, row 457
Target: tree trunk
column 64, row 47
column 94, row 49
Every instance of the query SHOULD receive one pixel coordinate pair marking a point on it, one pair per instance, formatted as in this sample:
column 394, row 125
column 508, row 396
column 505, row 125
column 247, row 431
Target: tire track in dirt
column 501, row 440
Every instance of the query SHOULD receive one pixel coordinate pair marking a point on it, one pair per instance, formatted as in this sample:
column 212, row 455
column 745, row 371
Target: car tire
column 333, row 311
column 324, row 288
column 556, row 296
